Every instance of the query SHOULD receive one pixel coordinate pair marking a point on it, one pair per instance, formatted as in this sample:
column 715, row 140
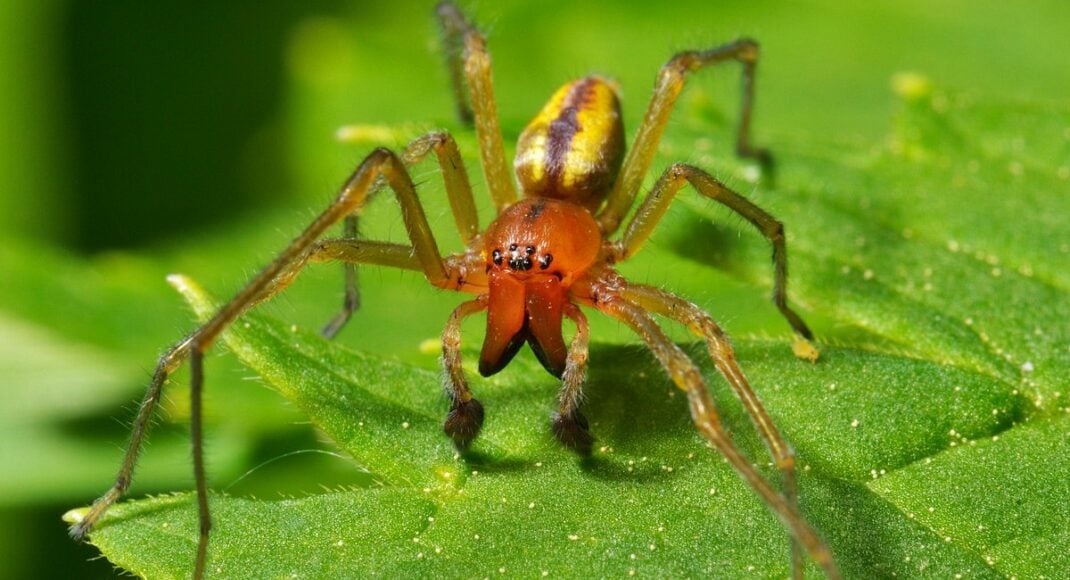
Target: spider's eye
column 512, row 247
column 530, row 250
column 497, row 257
column 544, row 262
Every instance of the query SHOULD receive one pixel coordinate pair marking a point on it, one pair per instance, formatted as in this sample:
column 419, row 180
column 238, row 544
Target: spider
column 543, row 256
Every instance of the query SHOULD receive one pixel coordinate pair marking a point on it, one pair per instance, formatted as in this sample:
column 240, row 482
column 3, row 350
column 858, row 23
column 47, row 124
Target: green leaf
column 931, row 436
column 77, row 337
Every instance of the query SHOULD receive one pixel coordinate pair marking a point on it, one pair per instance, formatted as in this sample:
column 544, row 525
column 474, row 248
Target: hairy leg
column 351, row 298
column 272, row 279
column 649, row 215
column 458, row 191
column 465, row 417
column 706, row 418
column 701, row 324
column 667, row 88
column 569, row 425
column 469, row 64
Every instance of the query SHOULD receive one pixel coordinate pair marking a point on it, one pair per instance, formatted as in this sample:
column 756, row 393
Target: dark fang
column 497, row 257
column 544, row 262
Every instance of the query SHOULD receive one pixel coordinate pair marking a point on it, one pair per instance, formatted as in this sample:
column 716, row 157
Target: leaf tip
column 195, row 295
column 184, row 284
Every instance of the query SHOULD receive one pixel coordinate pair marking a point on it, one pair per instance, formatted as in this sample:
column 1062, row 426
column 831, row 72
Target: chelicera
column 544, row 256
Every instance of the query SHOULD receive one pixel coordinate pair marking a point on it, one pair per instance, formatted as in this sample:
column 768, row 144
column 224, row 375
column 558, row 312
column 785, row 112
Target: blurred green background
column 144, row 138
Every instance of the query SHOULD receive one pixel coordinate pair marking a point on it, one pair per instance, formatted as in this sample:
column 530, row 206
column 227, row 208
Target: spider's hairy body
column 540, row 259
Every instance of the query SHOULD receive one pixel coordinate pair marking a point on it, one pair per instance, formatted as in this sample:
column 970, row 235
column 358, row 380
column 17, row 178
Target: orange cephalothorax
column 534, row 251
column 573, row 148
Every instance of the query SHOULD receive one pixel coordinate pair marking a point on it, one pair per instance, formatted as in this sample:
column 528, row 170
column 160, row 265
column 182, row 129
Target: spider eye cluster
column 521, row 258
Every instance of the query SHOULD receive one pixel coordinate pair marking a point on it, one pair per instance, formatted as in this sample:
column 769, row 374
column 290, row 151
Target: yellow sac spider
column 544, row 256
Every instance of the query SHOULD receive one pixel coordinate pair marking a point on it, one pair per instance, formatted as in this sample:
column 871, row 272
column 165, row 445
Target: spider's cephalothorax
column 540, row 259
column 536, row 249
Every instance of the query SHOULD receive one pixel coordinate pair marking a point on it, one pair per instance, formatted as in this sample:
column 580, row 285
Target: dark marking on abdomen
column 563, row 129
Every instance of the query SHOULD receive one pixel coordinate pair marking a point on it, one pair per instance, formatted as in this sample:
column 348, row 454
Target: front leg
column 381, row 163
column 569, row 425
column 465, row 418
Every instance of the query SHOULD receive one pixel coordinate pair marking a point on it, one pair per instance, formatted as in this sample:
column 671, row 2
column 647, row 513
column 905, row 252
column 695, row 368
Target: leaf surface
column 931, row 436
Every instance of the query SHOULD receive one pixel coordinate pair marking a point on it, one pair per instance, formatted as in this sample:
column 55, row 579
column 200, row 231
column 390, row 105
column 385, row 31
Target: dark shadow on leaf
column 491, row 464
column 611, row 469
column 868, row 536
column 702, row 240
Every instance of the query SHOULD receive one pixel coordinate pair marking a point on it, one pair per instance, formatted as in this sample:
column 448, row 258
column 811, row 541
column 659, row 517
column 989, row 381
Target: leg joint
column 384, row 161
column 748, row 50
column 683, row 62
column 678, row 170
column 475, row 50
column 438, row 139
column 320, row 251
column 708, row 327
column 785, row 461
column 775, row 231
column 433, row 141
column 379, row 155
column 707, row 184
column 674, row 71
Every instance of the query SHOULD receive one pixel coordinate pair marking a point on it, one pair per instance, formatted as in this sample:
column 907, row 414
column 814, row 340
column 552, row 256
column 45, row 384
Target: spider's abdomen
column 573, row 148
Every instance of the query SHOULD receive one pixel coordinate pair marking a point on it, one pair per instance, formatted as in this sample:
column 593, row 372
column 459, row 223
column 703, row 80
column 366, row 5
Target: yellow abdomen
column 573, row 148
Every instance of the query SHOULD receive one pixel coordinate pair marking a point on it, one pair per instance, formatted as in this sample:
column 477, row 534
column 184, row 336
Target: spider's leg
column 271, row 280
column 706, row 418
column 667, row 88
column 351, row 298
column 465, row 417
column 649, row 214
column 351, row 251
column 458, row 187
column 168, row 363
column 469, row 61
column 700, row 323
column 466, row 413
column 204, row 516
column 454, row 27
column 569, row 425
column 458, row 191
